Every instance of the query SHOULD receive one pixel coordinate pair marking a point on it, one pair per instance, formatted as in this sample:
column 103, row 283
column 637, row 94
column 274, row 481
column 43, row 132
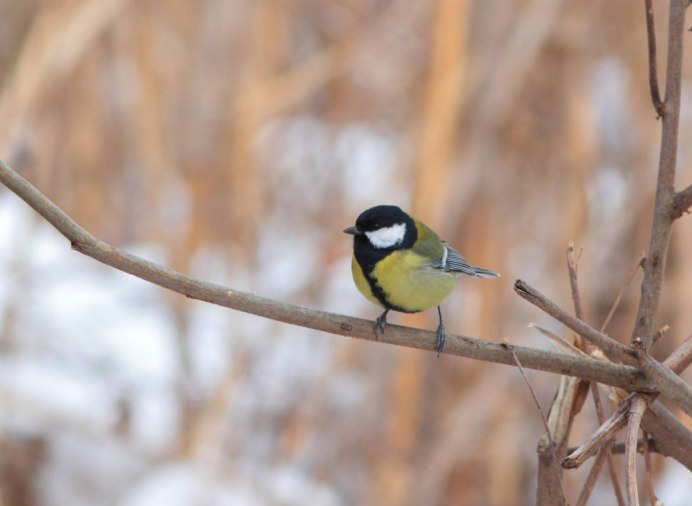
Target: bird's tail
column 480, row 272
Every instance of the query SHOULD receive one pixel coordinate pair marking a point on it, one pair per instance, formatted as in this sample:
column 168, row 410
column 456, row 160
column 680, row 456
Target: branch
column 654, row 265
column 665, row 380
column 653, row 67
column 682, row 202
column 634, row 421
column 628, row 378
column 672, row 438
column 614, row 350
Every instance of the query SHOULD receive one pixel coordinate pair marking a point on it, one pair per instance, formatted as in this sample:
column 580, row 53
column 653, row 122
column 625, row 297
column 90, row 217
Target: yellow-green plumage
column 400, row 264
column 406, row 276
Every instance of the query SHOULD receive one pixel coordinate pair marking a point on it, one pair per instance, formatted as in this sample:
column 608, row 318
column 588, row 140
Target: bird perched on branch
column 400, row 264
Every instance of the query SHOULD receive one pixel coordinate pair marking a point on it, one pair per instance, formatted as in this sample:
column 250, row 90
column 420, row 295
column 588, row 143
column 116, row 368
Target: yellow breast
column 406, row 281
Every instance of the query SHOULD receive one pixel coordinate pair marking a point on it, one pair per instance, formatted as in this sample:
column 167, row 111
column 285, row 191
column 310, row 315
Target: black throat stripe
column 367, row 258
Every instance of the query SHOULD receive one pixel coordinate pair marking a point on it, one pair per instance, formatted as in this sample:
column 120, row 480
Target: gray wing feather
column 452, row 261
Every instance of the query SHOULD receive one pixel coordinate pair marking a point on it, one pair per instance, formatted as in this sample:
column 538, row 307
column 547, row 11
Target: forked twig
column 676, row 362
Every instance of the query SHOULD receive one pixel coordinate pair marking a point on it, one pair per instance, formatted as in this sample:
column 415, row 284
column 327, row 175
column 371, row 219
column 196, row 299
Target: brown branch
column 653, row 67
column 619, row 448
column 646, row 450
column 666, row 381
column 593, row 475
column 682, row 202
column 549, row 473
column 671, row 437
column 628, row 378
column 654, row 265
column 614, row 350
column 603, row 435
column 634, row 422
column 600, row 414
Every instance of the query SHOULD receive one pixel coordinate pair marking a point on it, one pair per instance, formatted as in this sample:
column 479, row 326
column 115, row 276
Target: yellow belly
column 406, row 282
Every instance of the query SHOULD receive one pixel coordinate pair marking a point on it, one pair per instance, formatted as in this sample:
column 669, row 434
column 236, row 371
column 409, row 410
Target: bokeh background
column 234, row 140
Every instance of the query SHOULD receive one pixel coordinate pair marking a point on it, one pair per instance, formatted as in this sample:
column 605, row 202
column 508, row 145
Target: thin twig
column 628, row 378
column 603, row 435
column 617, row 300
column 653, row 68
column 653, row 500
column 614, row 350
column 600, row 414
column 659, row 334
column 544, row 419
column 676, row 362
column 619, row 448
column 573, row 268
column 593, row 475
column 634, row 421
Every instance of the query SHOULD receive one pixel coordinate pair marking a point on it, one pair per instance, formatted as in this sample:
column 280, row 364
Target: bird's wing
column 452, row 261
column 443, row 257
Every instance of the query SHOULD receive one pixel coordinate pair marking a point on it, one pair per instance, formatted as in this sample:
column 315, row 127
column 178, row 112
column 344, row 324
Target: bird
column 401, row 264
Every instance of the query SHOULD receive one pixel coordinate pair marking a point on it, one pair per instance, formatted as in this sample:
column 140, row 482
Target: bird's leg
column 380, row 324
column 441, row 334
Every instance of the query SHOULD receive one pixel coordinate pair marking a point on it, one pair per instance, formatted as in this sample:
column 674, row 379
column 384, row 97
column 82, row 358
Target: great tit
column 400, row 264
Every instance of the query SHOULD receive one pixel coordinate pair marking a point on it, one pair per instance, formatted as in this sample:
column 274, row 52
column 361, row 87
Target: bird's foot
column 441, row 338
column 380, row 324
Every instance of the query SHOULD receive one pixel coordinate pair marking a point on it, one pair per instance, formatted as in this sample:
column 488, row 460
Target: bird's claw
column 380, row 324
column 441, row 338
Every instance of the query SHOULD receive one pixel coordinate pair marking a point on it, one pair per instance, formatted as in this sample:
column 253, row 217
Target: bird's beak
column 352, row 231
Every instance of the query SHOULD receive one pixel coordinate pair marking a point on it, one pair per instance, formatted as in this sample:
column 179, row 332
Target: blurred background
column 233, row 141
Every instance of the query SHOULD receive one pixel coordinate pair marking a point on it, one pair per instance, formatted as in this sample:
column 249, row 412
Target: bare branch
column 613, row 349
column 654, row 266
column 653, row 67
column 646, row 450
column 681, row 358
column 550, row 475
column 666, row 381
column 634, row 421
column 600, row 414
column 673, row 440
column 682, row 202
column 671, row 436
column 603, row 435
column 619, row 448
column 593, row 475
column 628, row 378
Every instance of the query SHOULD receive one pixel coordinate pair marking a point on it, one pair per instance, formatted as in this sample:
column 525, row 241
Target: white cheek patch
column 387, row 237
